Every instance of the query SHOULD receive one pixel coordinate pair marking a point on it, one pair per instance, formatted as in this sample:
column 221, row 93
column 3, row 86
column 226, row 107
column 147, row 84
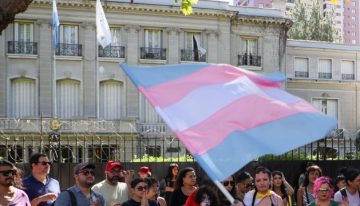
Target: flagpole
column 54, row 84
column 224, row 191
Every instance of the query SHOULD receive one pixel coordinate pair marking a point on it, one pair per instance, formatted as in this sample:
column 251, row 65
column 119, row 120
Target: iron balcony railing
column 249, row 60
column 189, row 55
column 112, row 51
column 22, row 47
column 348, row 76
column 324, row 75
column 152, row 53
column 68, row 49
column 301, row 74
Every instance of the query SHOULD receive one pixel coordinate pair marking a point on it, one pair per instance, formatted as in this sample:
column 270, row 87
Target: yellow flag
column 334, row 2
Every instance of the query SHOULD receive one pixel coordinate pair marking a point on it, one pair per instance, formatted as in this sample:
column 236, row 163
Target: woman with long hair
column 323, row 191
column 167, row 184
column 184, row 186
column 281, row 187
column 305, row 193
column 262, row 195
column 229, row 185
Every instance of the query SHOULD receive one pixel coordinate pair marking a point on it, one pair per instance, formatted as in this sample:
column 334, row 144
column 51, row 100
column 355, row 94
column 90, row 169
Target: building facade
column 76, row 100
column 325, row 74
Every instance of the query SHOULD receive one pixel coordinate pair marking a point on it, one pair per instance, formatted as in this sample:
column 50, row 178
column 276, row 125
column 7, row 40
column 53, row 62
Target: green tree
column 312, row 24
column 186, row 6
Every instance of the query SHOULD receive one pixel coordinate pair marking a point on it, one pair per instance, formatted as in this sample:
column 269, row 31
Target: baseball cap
column 144, row 170
column 112, row 164
column 82, row 166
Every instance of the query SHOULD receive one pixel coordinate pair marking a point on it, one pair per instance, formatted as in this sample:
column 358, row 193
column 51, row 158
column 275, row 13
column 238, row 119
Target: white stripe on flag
column 102, row 26
column 56, row 24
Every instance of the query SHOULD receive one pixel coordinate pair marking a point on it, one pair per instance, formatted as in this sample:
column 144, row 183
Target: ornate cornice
column 173, row 29
column 262, row 20
column 135, row 28
column 129, row 8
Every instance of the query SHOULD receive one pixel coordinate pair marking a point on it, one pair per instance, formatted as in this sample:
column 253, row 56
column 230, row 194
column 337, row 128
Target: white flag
column 56, row 24
column 102, row 26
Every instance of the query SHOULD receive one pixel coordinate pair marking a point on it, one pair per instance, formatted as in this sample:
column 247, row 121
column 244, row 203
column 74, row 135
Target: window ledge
column 72, row 58
column 109, row 59
column 22, row 56
column 192, row 62
column 152, row 61
column 253, row 68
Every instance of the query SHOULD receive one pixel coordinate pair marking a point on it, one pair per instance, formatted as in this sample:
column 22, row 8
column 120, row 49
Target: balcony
column 347, row 76
column 152, row 53
column 301, row 74
column 324, row 75
column 189, row 55
column 249, row 60
column 69, row 50
column 21, row 47
column 112, row 51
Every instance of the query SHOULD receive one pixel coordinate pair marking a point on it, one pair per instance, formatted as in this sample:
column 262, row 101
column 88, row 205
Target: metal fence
column 98, row 148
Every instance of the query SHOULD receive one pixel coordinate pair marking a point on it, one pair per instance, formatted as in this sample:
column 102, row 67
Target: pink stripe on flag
column 171, row 92
column 206, row 135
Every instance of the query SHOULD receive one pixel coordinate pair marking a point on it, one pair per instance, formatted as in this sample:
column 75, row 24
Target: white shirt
column 112, row 194
column 354, row 200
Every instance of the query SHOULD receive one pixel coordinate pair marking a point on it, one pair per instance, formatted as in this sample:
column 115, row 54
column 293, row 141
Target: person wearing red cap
column 114, row 191
column 144, row 172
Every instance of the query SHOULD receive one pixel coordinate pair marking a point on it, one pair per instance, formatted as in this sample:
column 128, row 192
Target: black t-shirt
column 132, row 202
column 178, row 198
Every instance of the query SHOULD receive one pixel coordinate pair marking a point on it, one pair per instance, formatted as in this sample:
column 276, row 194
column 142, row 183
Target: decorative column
column 132, row 47
column 3, row 77
column 212, row 50
column 173, row 45
column 45, row 56
column 132, row 58
column 90, row 71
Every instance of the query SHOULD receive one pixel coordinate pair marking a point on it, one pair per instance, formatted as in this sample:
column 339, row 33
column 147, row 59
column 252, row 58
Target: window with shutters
column 68, row 98
column 23, row 98
column 301, row 67
column 347, row 70
column 325, row 69
column 111, row 99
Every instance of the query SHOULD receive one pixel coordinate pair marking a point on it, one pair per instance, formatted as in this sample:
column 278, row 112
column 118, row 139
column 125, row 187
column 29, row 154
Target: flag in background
column 102, row 26
column 56, row 24
column 198, row 50
column 227, row 116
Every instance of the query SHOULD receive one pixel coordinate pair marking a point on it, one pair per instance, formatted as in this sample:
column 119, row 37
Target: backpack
column 72, row 198
column 344, row 194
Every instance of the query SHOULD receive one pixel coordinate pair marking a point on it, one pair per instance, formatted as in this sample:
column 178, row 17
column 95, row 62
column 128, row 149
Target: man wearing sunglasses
column 81, row 193
column 138, row 190
column 10, row 195
column 244, row 183
column 39, row 186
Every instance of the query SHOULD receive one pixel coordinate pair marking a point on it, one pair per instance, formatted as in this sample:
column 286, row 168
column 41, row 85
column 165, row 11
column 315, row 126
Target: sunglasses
column 44, row 163
column 226, row 183
column 8, row 172
column 142, row 188
column 323, row 190
column 87, row 172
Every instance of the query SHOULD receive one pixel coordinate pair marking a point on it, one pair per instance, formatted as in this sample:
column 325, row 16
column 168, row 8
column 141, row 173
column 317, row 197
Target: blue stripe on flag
column 275, row 137
column 151, row 76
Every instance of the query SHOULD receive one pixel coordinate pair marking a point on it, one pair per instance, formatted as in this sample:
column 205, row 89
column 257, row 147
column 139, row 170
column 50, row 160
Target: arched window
column 68, row 98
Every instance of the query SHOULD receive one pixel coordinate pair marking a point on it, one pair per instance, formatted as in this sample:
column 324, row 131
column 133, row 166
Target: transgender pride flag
column 227, row 116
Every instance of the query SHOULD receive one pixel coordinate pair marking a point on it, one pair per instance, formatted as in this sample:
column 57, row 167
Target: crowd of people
column 180, row 187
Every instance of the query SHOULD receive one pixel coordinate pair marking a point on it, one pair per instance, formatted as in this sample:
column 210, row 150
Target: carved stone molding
column 212, row 32
column 43, row 23
column 88, row 25
column 173, row 30
column 132, row 28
